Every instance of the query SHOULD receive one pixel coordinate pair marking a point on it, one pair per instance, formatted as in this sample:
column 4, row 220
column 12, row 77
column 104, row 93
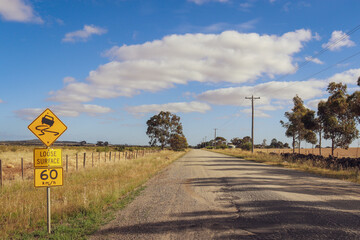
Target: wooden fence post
column 84, row 159
column 22, row 168
column 76, row 161
column 1, row 175
column 105, row 156
column 92, row 159
column 110, row 157
column 99, row 157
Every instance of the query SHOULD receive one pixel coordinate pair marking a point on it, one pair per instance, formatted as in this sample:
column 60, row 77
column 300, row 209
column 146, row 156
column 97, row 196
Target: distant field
column 351, row 152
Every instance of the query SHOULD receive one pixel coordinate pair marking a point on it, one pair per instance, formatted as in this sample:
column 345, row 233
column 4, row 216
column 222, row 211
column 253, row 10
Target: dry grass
column 11, row 159
column 23, row 208
column 339, row 152
column 351, row 174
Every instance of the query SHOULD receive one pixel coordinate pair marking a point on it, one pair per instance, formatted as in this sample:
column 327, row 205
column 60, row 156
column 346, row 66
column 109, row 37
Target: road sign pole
column 48, row 203
column 48, row 127
column 48, row 210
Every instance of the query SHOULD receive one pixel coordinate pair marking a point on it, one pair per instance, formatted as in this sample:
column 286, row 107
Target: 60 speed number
column 48, row 177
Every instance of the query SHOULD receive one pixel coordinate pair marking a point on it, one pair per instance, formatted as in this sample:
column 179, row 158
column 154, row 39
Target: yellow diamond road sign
column 47, row 127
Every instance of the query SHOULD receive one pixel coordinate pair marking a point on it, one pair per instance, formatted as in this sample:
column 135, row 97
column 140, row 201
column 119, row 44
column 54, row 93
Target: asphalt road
column 207, row 195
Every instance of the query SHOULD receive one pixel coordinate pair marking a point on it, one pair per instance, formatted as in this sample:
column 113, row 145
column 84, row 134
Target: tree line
column 243, row 143
column 334, row 120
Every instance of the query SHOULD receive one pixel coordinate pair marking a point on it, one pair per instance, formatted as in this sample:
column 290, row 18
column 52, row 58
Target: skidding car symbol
column 48, row 120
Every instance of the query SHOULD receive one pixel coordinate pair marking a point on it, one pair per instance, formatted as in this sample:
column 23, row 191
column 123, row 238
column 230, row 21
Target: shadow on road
column 260, row 220
column 252, row 196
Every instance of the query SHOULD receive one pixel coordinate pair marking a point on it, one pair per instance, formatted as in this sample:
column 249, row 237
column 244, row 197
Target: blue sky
column 106, row 66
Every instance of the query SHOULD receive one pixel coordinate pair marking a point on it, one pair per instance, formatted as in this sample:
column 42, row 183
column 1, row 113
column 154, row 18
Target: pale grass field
column 23, row 207
column 339, row 152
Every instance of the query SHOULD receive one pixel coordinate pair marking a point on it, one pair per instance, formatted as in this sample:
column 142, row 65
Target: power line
column 345, row 35
column 301, row 65
column 316, row 73
column 327, row 68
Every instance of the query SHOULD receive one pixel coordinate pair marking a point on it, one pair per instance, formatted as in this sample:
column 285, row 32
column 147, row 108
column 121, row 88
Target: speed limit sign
column 48, row 177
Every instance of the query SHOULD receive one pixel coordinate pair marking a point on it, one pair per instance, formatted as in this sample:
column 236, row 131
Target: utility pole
column 214, row 142
column 252, row 120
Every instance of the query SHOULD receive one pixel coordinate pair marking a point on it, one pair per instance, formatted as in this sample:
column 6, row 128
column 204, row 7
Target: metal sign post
column 48, row 171
column 48, row 209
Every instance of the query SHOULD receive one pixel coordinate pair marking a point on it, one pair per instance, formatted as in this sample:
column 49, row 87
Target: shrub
column 246, row 146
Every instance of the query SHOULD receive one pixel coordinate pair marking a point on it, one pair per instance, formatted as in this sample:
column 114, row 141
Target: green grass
column 81, row 223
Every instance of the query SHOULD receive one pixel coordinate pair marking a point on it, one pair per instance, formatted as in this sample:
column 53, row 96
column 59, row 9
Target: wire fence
column 24, row 169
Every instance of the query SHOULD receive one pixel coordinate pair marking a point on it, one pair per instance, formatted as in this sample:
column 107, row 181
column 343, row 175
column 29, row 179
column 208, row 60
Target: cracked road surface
column 206, row 195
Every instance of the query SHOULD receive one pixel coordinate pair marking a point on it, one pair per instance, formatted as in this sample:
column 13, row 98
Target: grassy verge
column 351, row 174
column 87, row 199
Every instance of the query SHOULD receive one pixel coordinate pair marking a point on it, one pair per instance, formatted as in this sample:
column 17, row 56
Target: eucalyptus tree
column 162, row 127
column 295, row 127
column 313, row 123
column 354, row 103
column 290, row 129
column 337, row 117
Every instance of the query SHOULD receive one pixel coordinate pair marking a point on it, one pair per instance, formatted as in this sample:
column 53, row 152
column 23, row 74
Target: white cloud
column 313, row 104
column 177, row 59
column 275, row 95
column 29, row 113
column 338, row 40
column 184, row 107
column 349, row 77
column 317, row 37
column 73, row 110
column 245, row 6
column 219, row 27
column 314, row 60
column 266, row 91
column 84, row 34
column 200, row 2
column 189, row 95
column 65, row 110
column 257, row 113
column 69, row 80
column 269, row 107
column 82, row 92
column 18, row 11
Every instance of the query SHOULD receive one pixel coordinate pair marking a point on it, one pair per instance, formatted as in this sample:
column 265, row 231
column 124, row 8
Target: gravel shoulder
column 206, row 195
